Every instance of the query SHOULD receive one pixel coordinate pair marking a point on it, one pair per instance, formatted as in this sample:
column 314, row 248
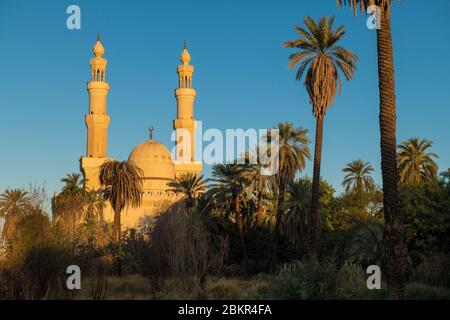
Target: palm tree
column 322, row 59
column 190, row 185
column 67, row 206
column 415, row 163
column 14, row 204
column 263, row 184
column 93, row 200
column 395, row 249
column 231, row 183
column 94, row 229
column 359, row 185
column 122, row 187
column 293, row 152
column 295, row 223
column 73, row 183
column 366, row 246
column 358, row 177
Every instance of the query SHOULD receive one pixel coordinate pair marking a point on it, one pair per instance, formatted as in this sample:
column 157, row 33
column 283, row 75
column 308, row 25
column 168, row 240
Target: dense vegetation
column 217, row 242
column 242, row 234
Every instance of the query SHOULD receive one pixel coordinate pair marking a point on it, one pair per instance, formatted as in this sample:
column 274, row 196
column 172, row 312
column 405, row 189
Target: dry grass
column 139, row 288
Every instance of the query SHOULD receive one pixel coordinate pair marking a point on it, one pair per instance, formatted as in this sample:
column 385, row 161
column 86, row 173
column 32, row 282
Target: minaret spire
column 184, row 123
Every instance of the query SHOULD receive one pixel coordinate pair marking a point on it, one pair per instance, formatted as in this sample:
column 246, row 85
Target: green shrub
column 36, row 260
column 351, row 282
column 417, row 291
column 426, row 209
column 433, row 271
column 313, row 280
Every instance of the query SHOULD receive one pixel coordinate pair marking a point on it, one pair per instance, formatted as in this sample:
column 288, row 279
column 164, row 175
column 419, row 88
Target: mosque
column 151, row 156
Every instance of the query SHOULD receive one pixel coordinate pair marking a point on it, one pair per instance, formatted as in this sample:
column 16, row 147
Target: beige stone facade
column 152, row 157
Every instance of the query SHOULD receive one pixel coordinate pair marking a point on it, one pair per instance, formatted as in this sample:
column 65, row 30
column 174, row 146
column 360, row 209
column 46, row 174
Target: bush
column 141, row 257
column 183, row 245
column 351, row 282
column 417, row 291
column 433, row 271
column 426, row 216
column 314, row 280
column 41, row 274
column 36, row 261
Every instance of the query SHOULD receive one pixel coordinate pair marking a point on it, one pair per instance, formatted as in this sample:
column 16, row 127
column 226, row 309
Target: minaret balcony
column 185, row 92
column 185, row 68
column 100, row 86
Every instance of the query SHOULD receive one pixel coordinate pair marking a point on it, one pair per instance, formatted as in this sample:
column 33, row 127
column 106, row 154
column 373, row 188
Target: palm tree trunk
column 117, row 238
column 276, row 230
column 240, row 227
column 116, row 227
column 314, row 221
column 395, row 250
column 260, row 210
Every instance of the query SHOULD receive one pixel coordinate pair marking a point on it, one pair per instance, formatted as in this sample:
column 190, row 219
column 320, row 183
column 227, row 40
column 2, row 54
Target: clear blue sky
column 241, row 78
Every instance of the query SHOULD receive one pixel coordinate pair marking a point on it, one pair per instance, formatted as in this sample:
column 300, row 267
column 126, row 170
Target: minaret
column 184, row 124
column 97, row 121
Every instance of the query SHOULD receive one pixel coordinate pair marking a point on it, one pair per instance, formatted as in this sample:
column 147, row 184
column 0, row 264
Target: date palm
column 263, row 184
column 358, row 177
column 395, row 250
column 94, row 203
column 366, row 246
column 415, row 163
column 322, row 59
column 67, row 206
column 190, row 186
column 94, row 229
column 122, row 187
column 293, row 153
column 13, row 206
column 297, row 205
column 231, row 183
column 73, row 183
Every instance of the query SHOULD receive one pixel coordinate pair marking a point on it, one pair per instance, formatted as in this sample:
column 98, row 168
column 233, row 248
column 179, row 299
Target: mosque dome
column 154, row 159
